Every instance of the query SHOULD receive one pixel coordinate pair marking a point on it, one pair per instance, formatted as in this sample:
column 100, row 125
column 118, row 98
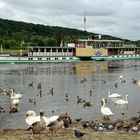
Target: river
column 67, row 78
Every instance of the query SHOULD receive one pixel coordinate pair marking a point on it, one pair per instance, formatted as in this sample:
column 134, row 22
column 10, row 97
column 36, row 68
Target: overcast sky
column 120, row 18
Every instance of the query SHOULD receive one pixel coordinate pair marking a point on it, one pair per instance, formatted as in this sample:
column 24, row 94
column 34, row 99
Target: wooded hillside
column 15, row 34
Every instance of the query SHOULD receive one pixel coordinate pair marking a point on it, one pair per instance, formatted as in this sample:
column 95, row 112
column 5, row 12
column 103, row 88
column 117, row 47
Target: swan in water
column 121, row 102
column 15, row 95
column 114, row 95
column 122, row 80
column 121, row 77
column 15, row 102
column 105, row 110
column 31, row 118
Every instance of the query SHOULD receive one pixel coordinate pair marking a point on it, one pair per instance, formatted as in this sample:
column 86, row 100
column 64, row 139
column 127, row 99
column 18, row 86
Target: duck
column 121, row 101
column 113, row 95
column 83, row 80
column 106, row 111
column 51, row 91
column 30, row 84
column 66, row 97
column 13, row 109
column 86, row 103
column 38, row 126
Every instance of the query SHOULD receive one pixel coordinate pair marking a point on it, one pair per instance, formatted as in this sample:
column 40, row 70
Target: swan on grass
column 105, row 110
column 39, row 126
column 114, row 95
column 121, row 101
column 31, row 118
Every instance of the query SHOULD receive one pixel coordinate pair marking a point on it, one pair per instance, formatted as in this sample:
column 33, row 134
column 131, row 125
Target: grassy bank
column 23, row 134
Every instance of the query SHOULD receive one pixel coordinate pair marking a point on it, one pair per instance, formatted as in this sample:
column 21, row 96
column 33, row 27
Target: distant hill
column 13, row 34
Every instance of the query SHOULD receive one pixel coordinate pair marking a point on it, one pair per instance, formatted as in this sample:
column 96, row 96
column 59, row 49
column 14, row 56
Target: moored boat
column 108, row 50
column 82, row 49
column 42, row 54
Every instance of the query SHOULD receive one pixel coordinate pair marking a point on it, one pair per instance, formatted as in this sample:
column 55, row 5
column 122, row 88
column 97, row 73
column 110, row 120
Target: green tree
column 52, row 42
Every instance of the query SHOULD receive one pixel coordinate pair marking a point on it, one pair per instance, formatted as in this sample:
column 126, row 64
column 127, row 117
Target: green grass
column 21, row 134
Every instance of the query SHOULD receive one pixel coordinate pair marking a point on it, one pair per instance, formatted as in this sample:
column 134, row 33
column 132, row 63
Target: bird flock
column 14, row 100
column 39, row 123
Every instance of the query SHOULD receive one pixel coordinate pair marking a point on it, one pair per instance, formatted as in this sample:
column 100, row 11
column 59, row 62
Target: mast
column 84, row 21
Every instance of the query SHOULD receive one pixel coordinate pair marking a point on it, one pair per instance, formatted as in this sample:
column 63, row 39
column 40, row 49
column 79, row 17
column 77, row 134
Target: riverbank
column 23, row 134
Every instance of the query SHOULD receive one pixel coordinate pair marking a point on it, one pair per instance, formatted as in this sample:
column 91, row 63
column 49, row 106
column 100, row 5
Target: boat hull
column 116, row 57
column 23, row 60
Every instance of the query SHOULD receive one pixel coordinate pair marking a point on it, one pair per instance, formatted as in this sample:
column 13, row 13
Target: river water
column 66, row 78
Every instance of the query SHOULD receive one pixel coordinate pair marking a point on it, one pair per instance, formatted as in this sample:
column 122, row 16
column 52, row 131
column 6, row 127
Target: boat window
column 65, row 50
column 35, row 50
column 41, row 49
column 53, row 50
column 39, row 58
column 59, row 50
column 30, row 58
column 48, row 58
column 70, row 50
column 48, row 50
column 63, row 58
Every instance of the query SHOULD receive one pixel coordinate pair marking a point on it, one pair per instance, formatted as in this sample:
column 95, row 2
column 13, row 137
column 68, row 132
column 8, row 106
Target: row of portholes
column 56, row 58
column 126, row 56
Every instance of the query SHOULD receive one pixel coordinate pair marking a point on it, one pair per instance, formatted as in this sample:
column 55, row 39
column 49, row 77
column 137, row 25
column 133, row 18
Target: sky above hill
column 119, row 18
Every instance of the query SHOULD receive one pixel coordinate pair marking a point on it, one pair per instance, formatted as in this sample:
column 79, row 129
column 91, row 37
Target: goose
column 114, row 95
column 38, row 126
column 121, row 102
column 105, row 110
column 56, row 125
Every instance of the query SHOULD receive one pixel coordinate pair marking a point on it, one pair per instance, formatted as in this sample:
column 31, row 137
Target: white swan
column 114, row 95
column 15, row 95
column 121, row 77
column 139, row 83
column 105, row 110
column 15, row 102
column 31, row 118
column 121, row 102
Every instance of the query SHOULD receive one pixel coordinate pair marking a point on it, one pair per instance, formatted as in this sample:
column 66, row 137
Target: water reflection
column 65, row 78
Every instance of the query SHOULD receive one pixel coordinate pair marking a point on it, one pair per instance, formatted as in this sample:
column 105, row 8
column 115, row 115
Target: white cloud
column 120, row 18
